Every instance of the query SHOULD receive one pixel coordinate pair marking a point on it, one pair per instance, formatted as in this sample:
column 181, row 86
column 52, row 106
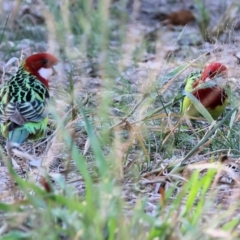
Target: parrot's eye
column 211, row 73
column 44, row 61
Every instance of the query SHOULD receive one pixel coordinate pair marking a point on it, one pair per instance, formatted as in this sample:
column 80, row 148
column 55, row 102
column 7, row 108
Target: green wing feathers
column 30, row 130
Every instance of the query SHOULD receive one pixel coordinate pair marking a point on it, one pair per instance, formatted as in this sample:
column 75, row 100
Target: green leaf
column 198, row 105
column 100, row 159
column 16, row 235
column 229, row 226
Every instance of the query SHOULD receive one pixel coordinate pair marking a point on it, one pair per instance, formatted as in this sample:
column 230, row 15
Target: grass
column 120, row 137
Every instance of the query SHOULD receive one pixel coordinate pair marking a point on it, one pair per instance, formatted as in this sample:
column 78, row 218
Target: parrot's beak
column 54, row 72
column 221, row 79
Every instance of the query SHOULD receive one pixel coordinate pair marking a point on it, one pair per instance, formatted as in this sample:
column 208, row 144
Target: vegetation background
column 111, row 164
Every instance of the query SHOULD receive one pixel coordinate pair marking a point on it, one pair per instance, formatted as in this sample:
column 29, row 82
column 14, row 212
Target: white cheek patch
column 45, row 72
column 221, row 81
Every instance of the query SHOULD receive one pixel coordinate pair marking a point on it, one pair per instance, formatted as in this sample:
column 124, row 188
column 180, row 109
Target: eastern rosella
column 213, row 97
column 23, row 99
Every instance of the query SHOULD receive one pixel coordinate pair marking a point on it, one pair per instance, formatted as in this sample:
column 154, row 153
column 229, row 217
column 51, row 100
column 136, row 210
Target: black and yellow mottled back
column 22, row 103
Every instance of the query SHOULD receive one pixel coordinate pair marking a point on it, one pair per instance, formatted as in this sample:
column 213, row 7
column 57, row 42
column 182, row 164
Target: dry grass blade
column 116, row 139
column 209, row 134
column 226, row 20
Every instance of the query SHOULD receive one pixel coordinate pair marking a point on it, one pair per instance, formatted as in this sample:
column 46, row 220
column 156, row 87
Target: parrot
column 214, row 98
column 23, row 100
